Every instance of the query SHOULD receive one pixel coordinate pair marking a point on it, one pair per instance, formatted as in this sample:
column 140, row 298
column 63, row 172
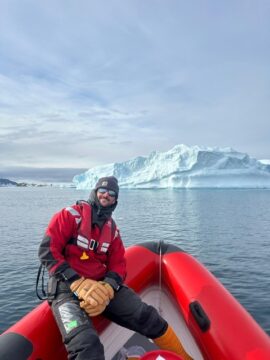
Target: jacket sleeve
column 116, row 263
column 51, row 251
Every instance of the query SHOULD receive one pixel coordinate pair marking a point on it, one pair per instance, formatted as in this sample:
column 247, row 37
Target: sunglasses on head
column 110, row 192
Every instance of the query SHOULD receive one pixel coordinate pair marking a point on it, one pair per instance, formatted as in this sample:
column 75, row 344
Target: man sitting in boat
column 84, row 254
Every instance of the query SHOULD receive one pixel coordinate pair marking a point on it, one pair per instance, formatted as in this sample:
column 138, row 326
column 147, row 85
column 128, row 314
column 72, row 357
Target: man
column 84, row 253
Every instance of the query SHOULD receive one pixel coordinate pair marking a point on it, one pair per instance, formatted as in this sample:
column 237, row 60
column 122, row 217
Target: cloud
column 87, row 83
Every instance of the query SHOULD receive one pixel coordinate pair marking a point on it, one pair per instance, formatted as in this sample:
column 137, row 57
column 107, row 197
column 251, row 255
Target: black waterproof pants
column 126, row 309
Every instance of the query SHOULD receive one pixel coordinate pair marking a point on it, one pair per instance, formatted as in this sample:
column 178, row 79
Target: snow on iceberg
column 184, row 167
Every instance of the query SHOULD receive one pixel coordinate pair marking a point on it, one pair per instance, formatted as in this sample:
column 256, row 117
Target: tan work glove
column 109, row 289
column 92, row 310
column 91, row 291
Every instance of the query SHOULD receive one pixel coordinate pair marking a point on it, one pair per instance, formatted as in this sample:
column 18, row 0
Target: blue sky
column 89, row 82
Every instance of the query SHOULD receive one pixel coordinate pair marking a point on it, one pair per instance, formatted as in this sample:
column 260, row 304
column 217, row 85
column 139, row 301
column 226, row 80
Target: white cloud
column 84, row 83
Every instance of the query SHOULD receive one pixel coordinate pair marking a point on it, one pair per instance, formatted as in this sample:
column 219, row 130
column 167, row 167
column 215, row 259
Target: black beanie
column 109, row 182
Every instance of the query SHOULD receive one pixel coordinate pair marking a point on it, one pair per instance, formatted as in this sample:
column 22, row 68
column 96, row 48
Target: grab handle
column 199, row 315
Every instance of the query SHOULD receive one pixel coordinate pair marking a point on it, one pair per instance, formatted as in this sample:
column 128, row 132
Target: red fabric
column 85, row 262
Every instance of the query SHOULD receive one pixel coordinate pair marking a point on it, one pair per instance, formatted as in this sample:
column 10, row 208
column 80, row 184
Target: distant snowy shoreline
column 9, row 183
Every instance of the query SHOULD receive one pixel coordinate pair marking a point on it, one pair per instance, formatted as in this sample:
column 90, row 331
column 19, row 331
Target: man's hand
column 91, row 291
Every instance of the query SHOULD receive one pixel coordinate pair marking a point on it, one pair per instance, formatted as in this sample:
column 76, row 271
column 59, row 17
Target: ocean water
column 227, row 230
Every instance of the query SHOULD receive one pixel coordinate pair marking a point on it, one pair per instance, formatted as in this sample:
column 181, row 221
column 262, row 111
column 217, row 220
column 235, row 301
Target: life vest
column 86, row 255
column 84, row 239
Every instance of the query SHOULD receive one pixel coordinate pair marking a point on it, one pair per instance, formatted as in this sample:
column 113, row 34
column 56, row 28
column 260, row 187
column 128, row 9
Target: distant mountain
column 6, row 182
column 184, row 167
column 39, row 175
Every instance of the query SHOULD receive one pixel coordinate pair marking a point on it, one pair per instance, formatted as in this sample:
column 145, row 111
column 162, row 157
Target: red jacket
column 72, row 247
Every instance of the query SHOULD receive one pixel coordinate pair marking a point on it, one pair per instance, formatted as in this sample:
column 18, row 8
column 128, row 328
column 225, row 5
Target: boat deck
column 117, row 338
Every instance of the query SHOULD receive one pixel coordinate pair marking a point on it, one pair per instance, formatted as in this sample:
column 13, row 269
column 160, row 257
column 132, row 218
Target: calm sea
column 227, row 230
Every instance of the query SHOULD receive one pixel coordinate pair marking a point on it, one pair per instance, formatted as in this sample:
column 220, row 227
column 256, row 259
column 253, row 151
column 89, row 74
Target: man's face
column 106, row 197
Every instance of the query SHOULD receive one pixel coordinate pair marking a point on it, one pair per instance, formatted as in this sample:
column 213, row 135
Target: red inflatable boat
column 212, row 325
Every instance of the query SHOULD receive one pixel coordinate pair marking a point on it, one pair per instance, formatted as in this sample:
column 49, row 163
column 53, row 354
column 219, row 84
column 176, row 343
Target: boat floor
column 136, row 342
column 116, row 338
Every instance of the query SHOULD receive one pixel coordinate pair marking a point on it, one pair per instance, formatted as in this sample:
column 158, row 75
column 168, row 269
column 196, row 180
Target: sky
column 89, row 82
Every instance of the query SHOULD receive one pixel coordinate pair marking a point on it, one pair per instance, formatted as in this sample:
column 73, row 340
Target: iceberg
column 184, row 167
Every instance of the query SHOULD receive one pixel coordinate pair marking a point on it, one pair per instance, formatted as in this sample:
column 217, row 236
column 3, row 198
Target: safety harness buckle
column 93, row 245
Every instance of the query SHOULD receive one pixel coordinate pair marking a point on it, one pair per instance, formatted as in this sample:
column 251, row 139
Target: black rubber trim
column 14, row 347
column 160, row 247
column 199, row 315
